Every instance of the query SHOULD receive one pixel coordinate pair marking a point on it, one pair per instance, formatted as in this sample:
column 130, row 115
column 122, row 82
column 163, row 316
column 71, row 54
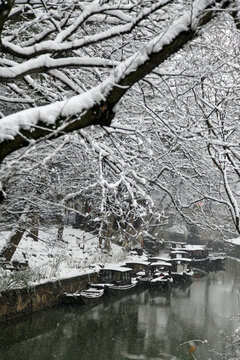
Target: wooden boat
column 194, row 252
column 158, row 274
column 161, row 282
column 119, row 290
column 140, row 272
column 89, row 296
column 181, row 274
column 181, row 267
column 161, row 275
column 138, row 266
column 115, row 280
column 200, row 257
column 216, row 262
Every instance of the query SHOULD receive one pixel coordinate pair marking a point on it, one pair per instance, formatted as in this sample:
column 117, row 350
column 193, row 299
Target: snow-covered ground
column 49, row 259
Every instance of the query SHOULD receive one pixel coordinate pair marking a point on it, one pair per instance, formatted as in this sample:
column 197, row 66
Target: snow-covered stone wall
column 16, row 303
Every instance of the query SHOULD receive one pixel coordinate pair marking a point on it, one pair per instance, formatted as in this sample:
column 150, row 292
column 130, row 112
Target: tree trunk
column 15, row 237
column 60, row 225
column 12, row 243
column 129, row 232
column 34, row 227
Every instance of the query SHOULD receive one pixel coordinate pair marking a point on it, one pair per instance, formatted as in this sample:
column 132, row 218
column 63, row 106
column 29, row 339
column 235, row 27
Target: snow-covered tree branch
column 160, row 78
column 97, row 105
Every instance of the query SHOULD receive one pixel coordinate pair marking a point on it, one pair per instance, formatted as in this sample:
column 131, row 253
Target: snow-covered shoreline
column 48, row 259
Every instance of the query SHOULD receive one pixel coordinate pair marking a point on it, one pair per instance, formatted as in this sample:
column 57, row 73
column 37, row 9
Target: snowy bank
column 48, row 259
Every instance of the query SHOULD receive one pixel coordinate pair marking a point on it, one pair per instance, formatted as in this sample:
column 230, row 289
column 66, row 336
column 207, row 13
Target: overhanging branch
column 96, row 107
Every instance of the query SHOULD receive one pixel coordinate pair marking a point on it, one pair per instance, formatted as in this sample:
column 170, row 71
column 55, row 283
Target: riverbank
column 16, row 303
column 50, row 259
column 144, row 325
column 53, row 267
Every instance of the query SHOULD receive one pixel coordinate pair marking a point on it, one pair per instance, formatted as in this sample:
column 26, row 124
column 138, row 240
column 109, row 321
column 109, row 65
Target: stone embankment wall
column 18, row 302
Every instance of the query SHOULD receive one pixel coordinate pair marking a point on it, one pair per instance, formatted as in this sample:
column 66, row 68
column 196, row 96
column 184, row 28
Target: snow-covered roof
column 138, row 262
column 116, row 267
column 181, row 260
column 161, row 263
column 194, row 247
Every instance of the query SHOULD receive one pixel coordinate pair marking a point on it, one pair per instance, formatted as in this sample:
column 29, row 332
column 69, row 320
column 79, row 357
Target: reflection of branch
column 166, row 356
column 132, row 356
column 143, row 357
column 189, row 341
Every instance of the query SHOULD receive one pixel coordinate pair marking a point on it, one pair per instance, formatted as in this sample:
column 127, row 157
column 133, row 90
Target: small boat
column 181, row 274
column 195, row 252
column 161, row 275
column 158, row 274
column 181, row 267
column 118, row 289
column 161, row 282
column 143, row 279
column 138, row 267
column 89, row 296
column 115, row 280
column 202, row 259
column 217, row 261
column 140, row 272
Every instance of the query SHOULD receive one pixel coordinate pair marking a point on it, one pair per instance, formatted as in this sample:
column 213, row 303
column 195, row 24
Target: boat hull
column 120, row 290
column 209, row 264
column 181, row 278
column 84, row 297
column 160, row 284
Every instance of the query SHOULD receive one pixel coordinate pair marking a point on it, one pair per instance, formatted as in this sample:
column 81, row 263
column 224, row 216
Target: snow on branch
column 48, row 114
column 97, row 105
column 59, row 45
column 45, row 63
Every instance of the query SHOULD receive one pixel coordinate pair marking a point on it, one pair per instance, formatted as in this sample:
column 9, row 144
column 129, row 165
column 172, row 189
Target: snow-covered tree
column 42, row 41
column 147, row 74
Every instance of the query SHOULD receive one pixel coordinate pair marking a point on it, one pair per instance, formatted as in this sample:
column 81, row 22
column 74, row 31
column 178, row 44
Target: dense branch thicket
column 159, row 82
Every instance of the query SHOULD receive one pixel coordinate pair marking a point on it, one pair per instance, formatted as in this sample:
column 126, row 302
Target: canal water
column 148, row 325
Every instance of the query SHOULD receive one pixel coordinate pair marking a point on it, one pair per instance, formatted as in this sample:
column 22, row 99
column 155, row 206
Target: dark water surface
column 141, row 326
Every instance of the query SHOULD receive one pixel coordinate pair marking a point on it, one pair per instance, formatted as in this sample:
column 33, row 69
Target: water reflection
column 140, row 326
